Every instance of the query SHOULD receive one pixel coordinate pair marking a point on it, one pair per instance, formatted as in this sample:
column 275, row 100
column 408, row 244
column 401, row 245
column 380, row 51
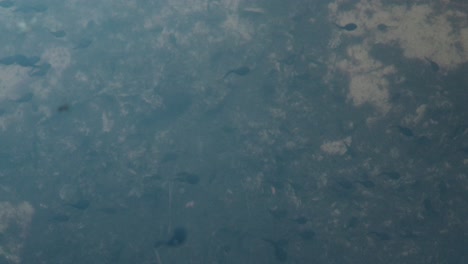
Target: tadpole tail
column 227, row 74
column 338, row 26
column 159, row 244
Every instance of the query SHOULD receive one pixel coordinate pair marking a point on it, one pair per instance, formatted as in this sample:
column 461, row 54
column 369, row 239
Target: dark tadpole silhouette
column 347, row 27
column 63, row 108
column 405, row 131
column 60, row 218
column 382, row 27
column 188, row 177
column 40, row 70
column 434, row 66
column 241, row 71
column 178, row 238
column 58, row 33
column 80, row 204
column 83, row 43
column 380, row 235
column 279, row 248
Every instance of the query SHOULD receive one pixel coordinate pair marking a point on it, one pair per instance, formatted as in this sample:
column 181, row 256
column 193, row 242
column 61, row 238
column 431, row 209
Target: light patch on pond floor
column 421, row 31
column 14, row 225
column 338, row 147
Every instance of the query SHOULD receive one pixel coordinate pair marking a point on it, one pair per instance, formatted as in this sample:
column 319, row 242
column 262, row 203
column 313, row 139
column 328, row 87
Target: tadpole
column 178, row 238
column 405, row 131
column 347, row 27
column 188, row 177
column 63, row 108
column 241, row 71
column 80, row 204
column 279, row 248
